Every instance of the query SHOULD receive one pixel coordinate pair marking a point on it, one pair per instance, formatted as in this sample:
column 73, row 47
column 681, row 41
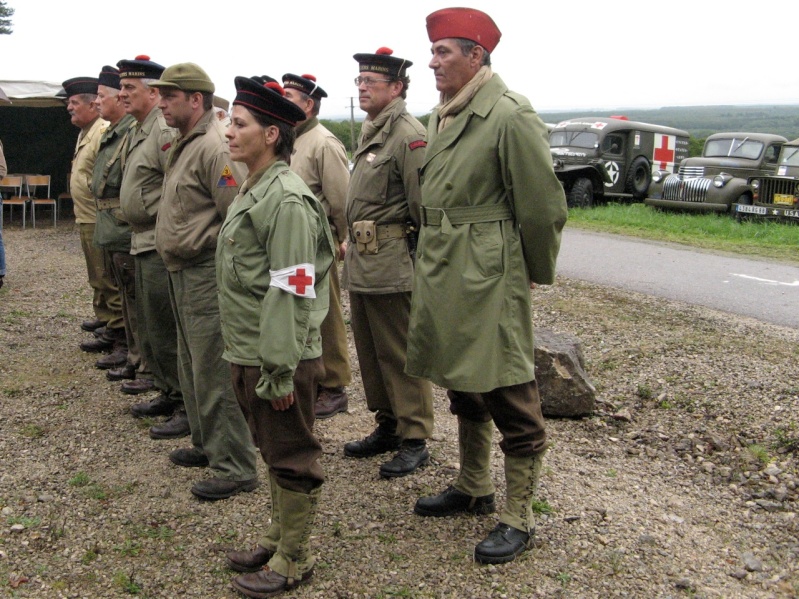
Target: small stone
column 571, row 518
column 44, row 498
column 684, row 584
column 739, row 574
column 751, row 563
column 6, row 511
column 773, row 470
column 623, row 415
column 647, row 539
column 17, row 528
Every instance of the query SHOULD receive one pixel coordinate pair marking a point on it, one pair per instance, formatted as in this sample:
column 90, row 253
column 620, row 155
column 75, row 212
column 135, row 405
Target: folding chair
column 13, row 184
column 33, row 183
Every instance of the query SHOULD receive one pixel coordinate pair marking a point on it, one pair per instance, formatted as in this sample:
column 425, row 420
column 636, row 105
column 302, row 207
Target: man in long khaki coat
column 200, row 183
column 382, row 213
column 492, row 212
column 320, row 160
column 81, row 93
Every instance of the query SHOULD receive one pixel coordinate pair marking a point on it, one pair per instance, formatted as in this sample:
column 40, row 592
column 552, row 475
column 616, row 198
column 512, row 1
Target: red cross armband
column 297, row 280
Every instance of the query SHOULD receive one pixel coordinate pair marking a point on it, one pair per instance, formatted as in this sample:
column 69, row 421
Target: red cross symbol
column 300, row 281
column 664, row 154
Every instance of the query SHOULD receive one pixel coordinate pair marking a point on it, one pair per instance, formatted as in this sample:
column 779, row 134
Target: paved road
column 768, row 291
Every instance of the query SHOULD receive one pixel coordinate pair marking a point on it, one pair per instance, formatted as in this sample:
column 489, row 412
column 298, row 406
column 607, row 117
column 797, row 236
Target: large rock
column 566, row 389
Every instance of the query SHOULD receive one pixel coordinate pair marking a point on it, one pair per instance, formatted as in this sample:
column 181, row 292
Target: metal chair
column 34, row 183
column 12, row 184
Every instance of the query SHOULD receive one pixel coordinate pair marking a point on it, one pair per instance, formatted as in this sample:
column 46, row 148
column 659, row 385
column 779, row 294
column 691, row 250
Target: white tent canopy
column 31, row 93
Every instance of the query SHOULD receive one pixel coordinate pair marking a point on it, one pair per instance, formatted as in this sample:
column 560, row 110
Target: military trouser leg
column 474, row 445
column 218, row 427
column 158, row 342
column 123, row 267
column 106, row 301
column 380, row 327
column 335, row 352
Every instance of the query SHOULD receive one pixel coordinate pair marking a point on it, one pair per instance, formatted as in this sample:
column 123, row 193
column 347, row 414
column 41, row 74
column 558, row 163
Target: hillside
column 701, row 121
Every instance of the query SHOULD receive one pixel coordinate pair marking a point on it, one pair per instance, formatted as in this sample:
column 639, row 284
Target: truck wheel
column 638, row 178
column 581, row 194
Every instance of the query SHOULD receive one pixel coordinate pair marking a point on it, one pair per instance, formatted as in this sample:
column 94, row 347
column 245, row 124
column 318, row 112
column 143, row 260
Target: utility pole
column 352, row 124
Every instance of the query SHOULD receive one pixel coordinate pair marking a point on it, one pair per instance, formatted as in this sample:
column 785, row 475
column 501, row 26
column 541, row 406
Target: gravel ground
column 684, row 483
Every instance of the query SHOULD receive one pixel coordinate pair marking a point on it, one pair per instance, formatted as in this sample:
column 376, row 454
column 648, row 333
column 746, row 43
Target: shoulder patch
column 166, row 146
column 419, row 143
column 226, row 179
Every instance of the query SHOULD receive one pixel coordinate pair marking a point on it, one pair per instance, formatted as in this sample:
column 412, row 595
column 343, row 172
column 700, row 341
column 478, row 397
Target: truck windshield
column 575, row 139
column 790, row 156
column 741, row 147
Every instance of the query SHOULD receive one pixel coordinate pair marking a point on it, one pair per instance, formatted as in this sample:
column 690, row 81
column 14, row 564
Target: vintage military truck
column 720, row 177
column 597, row 158
column 775, row 196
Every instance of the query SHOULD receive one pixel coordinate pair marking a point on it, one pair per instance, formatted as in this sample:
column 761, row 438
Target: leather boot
column 91, row 325
column 516, row 527
column 143, row 385
column 174, row 428
column 380, row 440
column 160, row 406
column 473, row 490
column 252, row 561
column 412, row 455
column 329, row 402
column 106, row 342
column 128, row 371
column 116, row 358
column 214, row 489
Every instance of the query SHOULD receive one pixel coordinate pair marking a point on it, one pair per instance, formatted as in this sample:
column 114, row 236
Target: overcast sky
column 562, row 55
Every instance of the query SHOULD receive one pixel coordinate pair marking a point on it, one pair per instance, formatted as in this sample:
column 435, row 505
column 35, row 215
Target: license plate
column 791, row 213
column 751, row 209
column 783, row 198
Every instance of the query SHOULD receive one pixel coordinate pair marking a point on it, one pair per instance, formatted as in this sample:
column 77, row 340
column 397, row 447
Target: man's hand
column 342, row 249
column 284, row 403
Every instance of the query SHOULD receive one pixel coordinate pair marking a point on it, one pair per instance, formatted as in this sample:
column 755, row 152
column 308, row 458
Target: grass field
column 767, row 239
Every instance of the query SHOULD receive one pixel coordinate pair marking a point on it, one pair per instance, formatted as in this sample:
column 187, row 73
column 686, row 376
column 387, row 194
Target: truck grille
column 692, row 172
column 685, row 190
column 770, row 186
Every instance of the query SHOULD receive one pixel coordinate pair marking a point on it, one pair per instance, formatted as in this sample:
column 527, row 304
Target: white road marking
column 769, row 281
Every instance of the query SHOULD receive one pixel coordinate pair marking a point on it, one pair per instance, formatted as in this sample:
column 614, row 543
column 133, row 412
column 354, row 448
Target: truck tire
column 581, row 194
column 639, row 176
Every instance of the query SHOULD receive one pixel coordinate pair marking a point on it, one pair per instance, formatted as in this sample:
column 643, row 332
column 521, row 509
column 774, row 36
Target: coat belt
column 463, row 215
column 392, row 231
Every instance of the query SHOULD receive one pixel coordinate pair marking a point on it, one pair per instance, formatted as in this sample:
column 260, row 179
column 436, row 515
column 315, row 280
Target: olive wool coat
column 492, row 214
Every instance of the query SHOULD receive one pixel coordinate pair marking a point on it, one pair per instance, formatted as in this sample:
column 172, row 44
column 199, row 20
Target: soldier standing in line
column 143, row 166
column 81, row 93
column 383, row 214
column 112, row 232
column 320, row 160
column 200, row 183
column 492, row 213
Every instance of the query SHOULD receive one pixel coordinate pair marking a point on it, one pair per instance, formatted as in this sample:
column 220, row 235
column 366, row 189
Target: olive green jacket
column 274, row 223
column 493, row 212
column 384, row 187
column 143, row 167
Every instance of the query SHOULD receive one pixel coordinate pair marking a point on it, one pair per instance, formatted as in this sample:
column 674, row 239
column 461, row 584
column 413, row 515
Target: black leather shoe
column 214, row 489
column 249, row 561
column 99, row 332
column 138, row 386
column 101, row 344
column 128, row 371
column 411, row 455
column 174, row 428
column 91, row 325
column 116, row 358
column 331, row 401
column 502, row 545
column 452, row 501
column 189, row 457
column 266, row 583
column 378, row 441
column 160, row 406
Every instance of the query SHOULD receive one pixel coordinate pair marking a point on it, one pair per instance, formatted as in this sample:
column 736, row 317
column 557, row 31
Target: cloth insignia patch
column 166, row 146
column 419, row 143
column 297, row 280
column 226, row 179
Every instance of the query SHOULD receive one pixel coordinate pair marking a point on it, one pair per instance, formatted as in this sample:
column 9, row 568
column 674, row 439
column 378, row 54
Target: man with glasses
column 383, row 215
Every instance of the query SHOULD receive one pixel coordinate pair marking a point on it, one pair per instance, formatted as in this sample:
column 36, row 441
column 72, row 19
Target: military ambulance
column 598, row 158
column 720, row 177
column 775, row 196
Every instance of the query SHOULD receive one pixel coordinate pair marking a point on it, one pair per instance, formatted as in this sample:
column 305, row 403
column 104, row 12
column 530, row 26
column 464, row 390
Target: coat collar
column 382, row 135
column 480, row 106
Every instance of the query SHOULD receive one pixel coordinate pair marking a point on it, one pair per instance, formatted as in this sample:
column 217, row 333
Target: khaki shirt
column 320, row 160
column 80, row 182
column 143, row 169
column 3, row 167
column 384, row 188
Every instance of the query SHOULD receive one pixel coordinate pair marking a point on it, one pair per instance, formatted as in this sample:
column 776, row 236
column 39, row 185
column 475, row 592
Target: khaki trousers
column 123, row 267
column 106, row 302
column 335, row 352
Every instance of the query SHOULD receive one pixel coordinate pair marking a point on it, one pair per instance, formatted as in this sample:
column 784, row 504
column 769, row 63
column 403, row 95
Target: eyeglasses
column 369, row 81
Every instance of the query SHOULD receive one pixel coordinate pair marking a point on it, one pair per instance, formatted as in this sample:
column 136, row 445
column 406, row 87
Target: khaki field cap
column 187, row 77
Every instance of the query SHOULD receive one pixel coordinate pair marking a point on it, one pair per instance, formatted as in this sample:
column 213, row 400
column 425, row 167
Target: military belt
column 392, row 231
column 463, row 215
column 107, row 203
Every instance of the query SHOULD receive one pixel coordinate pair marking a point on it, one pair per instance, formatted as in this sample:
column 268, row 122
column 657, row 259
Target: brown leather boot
column 330, row 401
column 249, row 561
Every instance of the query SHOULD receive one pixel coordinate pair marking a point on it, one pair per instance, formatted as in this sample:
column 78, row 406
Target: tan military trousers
column 106, row 301
column 335, row 353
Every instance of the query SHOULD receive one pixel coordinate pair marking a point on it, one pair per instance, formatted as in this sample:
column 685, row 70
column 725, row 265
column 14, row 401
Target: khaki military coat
column 488, row 183
column 144, row 164
column 200, row 183
column 80, row 178
column 320, row 160
column 384, row 188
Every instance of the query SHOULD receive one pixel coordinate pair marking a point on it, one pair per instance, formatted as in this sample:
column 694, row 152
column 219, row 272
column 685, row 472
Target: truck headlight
column 755, row 183
column 721, row 180
column 658, row 176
